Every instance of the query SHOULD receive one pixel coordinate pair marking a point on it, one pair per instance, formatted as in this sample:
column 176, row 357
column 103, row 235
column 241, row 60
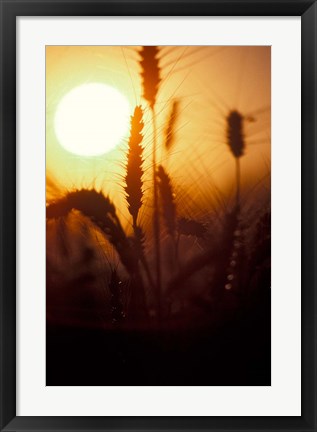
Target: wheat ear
column 134, row 183
column 236, row 143
column 150, row 73
column 168, row 200
column 134, row 170
column 101, row 211
column 170, row 128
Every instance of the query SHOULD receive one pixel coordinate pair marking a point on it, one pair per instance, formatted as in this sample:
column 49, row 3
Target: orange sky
column 208, row 82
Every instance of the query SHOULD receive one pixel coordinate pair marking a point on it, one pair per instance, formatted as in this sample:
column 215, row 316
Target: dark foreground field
column 236, row 352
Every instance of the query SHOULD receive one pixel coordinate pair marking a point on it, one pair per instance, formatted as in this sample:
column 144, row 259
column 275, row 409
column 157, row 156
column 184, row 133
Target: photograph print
column 158, row 216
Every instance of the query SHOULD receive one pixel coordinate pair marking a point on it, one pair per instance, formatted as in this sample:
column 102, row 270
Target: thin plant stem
column 238, row 179
column 176, row 245
column 142, row 257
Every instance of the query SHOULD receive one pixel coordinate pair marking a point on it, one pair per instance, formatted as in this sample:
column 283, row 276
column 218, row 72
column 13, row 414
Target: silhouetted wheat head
column 150, row 73
column 134, row 170
column 236, row 143
column 168, row 200
column 101, row 211
column 170, row 129
column 235, row 133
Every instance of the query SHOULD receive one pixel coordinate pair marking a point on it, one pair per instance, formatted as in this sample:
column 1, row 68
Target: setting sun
column 91, row 119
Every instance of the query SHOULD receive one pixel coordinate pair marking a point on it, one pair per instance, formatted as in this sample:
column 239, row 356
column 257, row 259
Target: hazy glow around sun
column 91, row 119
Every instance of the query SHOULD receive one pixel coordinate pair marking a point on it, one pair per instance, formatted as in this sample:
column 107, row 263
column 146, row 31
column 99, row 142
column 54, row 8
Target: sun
column 92, row 119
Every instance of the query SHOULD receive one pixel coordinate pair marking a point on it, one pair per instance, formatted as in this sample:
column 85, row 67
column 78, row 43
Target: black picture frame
column 307, row 9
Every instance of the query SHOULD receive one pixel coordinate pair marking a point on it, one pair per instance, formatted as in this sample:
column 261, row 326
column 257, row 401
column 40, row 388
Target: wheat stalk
column 228, row 246
column 150, row 83
column 236, row 143
column 150, row 73
column 134, row 183
column 117, row 313
column 168, row 200
column 170, row 129
column 134, row 170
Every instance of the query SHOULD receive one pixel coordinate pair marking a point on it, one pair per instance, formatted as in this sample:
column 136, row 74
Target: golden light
column 92, row 119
